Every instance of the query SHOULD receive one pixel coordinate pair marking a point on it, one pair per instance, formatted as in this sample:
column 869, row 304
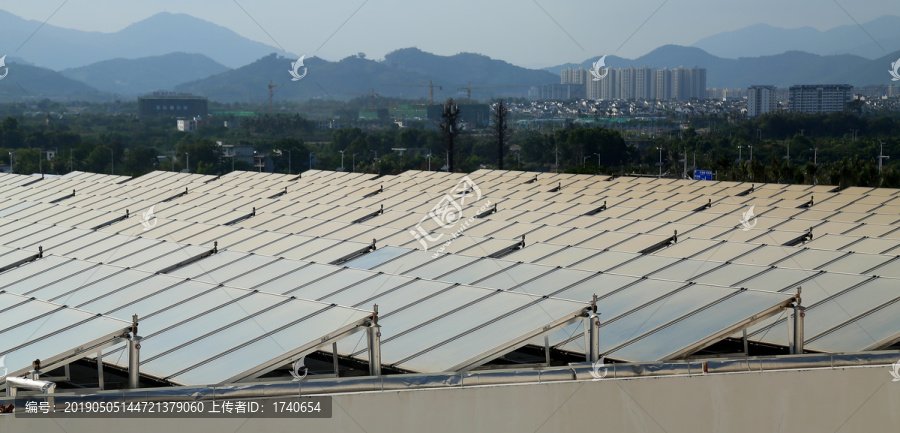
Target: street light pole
column 342, row 158
column 660, row 163
column 188, row 163
column 112, row 162
column 290, row 171
column 353, row 163
column 11, row 168
column 881, row 157
column 429, row 161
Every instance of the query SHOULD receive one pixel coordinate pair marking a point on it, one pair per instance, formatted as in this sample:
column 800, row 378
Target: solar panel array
column 288, row 259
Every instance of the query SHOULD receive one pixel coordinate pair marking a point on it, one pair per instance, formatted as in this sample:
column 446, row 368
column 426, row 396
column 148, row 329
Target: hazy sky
column 518, row 31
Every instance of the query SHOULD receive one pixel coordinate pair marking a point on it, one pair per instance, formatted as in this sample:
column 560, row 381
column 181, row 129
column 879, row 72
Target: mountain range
column 160, row 54
column 871, row 40
column 59, row 48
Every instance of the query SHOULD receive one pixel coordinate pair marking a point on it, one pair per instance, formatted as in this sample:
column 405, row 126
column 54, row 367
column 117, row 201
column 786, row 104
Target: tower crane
column 366, row 94
column 430, row 85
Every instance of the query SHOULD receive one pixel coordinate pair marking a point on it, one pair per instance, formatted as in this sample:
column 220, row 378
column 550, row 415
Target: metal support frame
column 487, row 212
column 54, row 362
column 237, row 220
column 747, row 192
column 598, row 210
column 176, row 196
column 281, row 193
column 191, row 260
column 109, row 223
column 365, row 218
column 508, row 250
column 806, row 237
column 355, row 254
column 63, row 198
column 704, row 207
column 808, row 204
column 39, row 255
column 376, row 192
column 660, row 245
column 558, row 188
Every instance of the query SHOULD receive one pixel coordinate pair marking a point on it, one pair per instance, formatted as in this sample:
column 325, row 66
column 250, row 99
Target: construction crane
column 469, row 89
column 366, row 94
column 271, row 95
column 430, row 85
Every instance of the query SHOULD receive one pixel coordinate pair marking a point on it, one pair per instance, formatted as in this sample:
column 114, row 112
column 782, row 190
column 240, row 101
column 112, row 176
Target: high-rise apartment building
column 761, row 100
column 820, row 98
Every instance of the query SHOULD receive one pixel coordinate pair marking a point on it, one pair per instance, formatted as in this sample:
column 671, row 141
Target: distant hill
column 359, row 75
column 782, row 70
column 31, row 83
column 59, row 48
column 765, row 40
column 132, row 77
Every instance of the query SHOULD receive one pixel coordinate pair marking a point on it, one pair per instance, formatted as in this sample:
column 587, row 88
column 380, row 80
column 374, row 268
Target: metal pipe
column 374, row 343
column 100, row 383
column 799, row 314
column 592, row 337
column 134, row 355
column 334, row 358
column 15, row 383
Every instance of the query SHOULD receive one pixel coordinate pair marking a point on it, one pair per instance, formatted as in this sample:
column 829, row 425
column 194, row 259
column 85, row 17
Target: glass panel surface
column 222, row 367
column 778, row 279
column 765, row 255
column 330, row 284
column 643, row 265
column 700, row 326
column 604, row 261
column 377, row 258
column 367, row 289
column 533, row 252
column 476, row 271
column 510, row 327
column 61, row 291
column 36, row 274
column 652, row 316
column 423, row 336
column 685, row 270
column 553, row 282
column 213, row 338
column 513, row 276
column 730, row 274
column 147, row 297
column 207, row 264
column 431, row 268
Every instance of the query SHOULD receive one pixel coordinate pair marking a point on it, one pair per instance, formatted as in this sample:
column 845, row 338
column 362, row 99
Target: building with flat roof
column 820, row 98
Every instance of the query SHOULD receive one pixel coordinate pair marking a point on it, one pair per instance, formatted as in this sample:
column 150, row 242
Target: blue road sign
column 702, row 174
